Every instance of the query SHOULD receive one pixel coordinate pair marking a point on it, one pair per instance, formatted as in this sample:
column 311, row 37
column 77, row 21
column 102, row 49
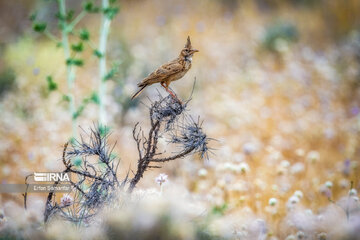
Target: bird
column 170, row 71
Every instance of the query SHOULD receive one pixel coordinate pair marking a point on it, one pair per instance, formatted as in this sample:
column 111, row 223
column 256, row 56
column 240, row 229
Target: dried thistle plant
column 96, row 180
column 167, row 116
column 90, row 159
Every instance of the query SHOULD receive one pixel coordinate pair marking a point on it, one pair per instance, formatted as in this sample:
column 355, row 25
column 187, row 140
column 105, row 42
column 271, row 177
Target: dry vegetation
column 278, row 85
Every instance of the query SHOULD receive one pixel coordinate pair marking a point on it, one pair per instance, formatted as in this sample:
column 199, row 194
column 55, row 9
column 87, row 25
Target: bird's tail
column 138, row 92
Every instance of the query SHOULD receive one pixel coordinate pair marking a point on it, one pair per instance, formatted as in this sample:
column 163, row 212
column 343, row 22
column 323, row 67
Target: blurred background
column 277, row 84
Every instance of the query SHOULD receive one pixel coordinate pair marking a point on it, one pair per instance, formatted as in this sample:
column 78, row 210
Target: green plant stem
column 70, row 71
column 77, row 20
column 50, row 36
column 104, row 32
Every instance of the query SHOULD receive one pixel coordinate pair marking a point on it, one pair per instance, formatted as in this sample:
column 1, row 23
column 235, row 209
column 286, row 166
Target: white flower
column 299, row 194
column 294, row 199
column 66, row 200
column 297, row 168
column 273, row 201
column 322, row 236
column 300, row 152
column 290, row 237
column 285, row 163
column 244, row 167
column 250, row 148
column 328, row 184
column 313, row 156
column 202, row 172
column 162, row 178
column 353, row 192
column 300, row 235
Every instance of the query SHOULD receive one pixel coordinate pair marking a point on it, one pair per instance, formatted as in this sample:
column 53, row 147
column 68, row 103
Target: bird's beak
column 194, row 50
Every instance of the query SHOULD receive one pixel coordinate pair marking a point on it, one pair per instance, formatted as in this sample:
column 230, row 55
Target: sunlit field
column 269, row 119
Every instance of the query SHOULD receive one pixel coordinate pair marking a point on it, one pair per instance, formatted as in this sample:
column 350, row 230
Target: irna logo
column 52, row 177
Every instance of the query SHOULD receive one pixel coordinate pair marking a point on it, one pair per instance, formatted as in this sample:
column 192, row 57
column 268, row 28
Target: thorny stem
column 70, row 71
column 180, row 155
column 104, row 32
column 143, row 163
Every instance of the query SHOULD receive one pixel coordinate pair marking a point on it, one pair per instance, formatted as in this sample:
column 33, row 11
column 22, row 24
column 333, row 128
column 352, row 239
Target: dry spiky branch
column 167, row 115
column 96, row 182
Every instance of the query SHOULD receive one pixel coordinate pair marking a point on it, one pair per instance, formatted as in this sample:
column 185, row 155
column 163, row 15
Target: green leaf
column 110, row 12
column 113, row 71
column 84, row 34
column 113, row 156
column 70, row 15
column 66, row 98
column 104, row 130
column 90, row 7
column 39, row 27
column 219, row 210
column 60, row 16
column 75, row 61
column 77, row 47
column 77, row 161
column 52, row 86
column 78, row 112
column 98, row 53
column 95, row 98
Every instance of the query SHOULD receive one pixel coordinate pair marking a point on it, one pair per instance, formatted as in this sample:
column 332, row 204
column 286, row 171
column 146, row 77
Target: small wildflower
column 353, row 192
column 299, row 194
column 162, row 178
column 322, row 236
column 244, row 167
column 250, row 148
column 290, row 237
column 285, row 163
column 329, row 184
column 273, row 201
column 356, row 199
column 202, row 172
column 300, row 235
column 66, row 200
column 293, row 200
column 297, row 168
column 313, row 156
column 300, row 152
column 325, row 191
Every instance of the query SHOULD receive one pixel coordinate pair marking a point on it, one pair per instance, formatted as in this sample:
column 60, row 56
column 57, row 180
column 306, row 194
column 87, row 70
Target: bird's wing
column 162, row 72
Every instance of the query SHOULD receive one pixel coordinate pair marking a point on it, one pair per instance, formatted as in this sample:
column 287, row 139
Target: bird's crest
column 188, row 43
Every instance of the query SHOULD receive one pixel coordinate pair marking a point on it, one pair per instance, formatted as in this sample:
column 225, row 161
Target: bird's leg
column 170, row 92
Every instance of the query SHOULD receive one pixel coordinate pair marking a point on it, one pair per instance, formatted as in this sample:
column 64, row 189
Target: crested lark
column 171, row 71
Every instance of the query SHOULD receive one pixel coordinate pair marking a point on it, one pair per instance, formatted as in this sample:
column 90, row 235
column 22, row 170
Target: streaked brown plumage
column 171, row 71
